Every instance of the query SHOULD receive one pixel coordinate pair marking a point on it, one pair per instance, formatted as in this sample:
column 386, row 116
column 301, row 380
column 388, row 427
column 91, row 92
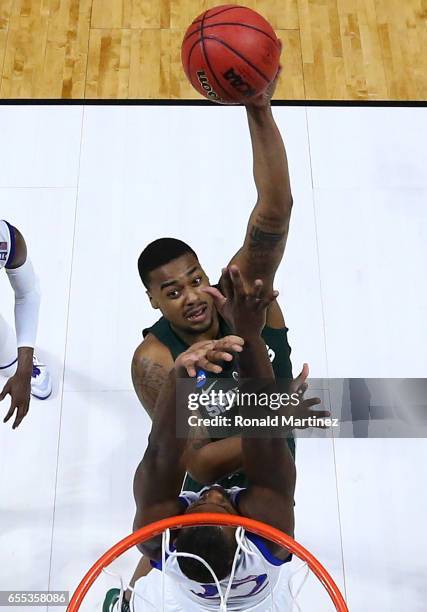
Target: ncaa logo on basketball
column 238, row 83
column 203, row 80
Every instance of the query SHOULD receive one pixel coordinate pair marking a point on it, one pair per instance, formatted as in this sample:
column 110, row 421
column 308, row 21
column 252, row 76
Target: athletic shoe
column 41, row 385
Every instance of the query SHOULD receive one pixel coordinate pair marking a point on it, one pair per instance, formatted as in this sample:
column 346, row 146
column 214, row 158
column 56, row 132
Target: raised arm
column 268, row 225
column 24, row 283
column 160, row 474
column 267, row 461
column 209, row 461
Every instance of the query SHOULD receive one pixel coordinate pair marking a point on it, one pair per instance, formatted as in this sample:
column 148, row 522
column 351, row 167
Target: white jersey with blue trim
column 257, row 576
column 6, row 244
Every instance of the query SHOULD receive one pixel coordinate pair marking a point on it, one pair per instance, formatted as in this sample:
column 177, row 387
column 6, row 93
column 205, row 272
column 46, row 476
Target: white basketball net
column 168, row 554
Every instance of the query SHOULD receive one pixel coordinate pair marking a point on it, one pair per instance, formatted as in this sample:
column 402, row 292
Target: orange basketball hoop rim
column 192, row 520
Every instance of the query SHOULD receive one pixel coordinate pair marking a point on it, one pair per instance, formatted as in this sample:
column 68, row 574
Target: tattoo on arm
column 265, row 248
column 259, row 239
column 148, row 378
column 152, row 374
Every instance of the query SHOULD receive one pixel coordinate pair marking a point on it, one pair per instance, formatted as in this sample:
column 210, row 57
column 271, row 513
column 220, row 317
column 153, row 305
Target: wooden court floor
column 333, row 49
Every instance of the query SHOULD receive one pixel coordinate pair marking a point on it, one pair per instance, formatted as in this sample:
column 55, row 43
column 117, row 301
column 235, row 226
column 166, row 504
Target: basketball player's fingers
column 219, row 299
column 206, row 345
column 219, row 356
column 215, row 369
column 199, row 348
column 302, row 389
column 301, row 378
column 320, row 414
column 6, row 390
column 229, row 348
column 200, row 353
column 210, row 367
column 267, row 300
column 204, row 350
column 190, row 359
column 311, row 401
column 9, row 412
column 232, row 338
column 218, row 353
column 21, row 413
column 233, row 343
column 258, row 289
column 226, row 284
column 183, row 357
column 236, row 279
column 191, row 370
column 205, row 359
column 257, row 294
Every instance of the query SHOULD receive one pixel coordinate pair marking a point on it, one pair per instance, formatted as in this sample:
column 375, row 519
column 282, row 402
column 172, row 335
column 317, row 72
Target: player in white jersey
column 18, row 364
column 258, row 573
column 268, row 463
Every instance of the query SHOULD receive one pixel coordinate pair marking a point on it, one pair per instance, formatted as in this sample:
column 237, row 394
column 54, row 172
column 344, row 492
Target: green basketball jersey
column 279, row 352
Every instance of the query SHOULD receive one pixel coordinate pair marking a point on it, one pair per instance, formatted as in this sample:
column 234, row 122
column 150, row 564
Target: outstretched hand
column 263, row 99
column 244, row 310
column 207, row 354
column 304, row 410
column 19, row 389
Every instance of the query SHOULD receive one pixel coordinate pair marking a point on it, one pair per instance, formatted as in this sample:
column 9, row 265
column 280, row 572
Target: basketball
column 230, row 54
